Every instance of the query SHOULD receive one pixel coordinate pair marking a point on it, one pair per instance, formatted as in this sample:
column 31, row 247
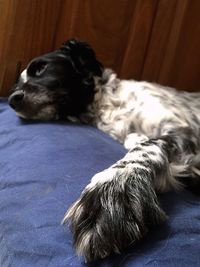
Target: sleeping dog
column 159, row 126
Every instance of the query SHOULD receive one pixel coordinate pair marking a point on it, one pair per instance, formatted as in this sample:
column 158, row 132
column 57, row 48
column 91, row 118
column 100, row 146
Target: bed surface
column 43, row 169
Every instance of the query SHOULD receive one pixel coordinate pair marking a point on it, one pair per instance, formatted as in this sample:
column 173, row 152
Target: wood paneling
column 173, row 56
column 137, row 42
column 184, row 70
column 27, row 29
column 158, row 42
column 104, row 24
column 154, row 40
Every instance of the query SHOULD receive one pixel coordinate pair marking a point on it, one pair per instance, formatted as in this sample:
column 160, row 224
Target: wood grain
column 27, row 30
column 173, row 56
column 101, row 23
column 154, row 40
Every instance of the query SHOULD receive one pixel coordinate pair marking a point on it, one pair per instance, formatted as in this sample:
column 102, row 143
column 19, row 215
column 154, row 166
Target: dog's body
column 158, row 125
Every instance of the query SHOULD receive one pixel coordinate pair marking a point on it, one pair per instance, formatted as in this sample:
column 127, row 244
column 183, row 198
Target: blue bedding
column 43, row 169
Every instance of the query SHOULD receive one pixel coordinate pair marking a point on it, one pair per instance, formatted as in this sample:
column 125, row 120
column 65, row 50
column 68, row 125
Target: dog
column 159, row 127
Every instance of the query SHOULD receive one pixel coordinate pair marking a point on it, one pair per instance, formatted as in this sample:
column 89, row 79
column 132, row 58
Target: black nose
column 15, row 100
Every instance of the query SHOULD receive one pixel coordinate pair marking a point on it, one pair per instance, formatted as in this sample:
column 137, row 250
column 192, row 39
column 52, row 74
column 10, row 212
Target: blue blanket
column 43, row 169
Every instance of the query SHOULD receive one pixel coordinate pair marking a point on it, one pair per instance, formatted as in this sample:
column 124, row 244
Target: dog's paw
column 112, row 213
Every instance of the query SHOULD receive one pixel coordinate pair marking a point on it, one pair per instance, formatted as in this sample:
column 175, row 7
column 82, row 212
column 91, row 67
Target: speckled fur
column 158, row 125
column 160, row 128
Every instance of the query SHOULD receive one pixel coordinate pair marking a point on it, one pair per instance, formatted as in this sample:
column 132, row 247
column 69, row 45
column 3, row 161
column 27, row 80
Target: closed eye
column 37, row 68
column 41, row 70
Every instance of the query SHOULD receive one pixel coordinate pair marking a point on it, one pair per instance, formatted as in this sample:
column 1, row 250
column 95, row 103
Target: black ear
column 83, row 57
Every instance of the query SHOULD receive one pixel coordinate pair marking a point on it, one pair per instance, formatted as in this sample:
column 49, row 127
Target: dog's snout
column 16, row 99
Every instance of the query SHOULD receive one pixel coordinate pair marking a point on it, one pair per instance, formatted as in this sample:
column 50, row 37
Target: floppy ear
column 83, row 57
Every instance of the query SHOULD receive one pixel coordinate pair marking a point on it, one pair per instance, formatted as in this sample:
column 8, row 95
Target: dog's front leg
column 134, row 139
column 120, row 204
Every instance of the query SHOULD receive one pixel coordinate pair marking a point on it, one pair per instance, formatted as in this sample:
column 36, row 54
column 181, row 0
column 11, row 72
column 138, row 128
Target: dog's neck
column 105, row 86
column 110, row 110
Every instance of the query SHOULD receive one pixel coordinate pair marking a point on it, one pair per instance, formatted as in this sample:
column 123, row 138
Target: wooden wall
column 154, row 40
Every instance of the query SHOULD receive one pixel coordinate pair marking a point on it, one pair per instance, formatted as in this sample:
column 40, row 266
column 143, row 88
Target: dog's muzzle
column 16, row 100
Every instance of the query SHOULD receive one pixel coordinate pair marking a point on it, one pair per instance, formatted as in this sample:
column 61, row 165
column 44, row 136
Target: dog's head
column 57, row 84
